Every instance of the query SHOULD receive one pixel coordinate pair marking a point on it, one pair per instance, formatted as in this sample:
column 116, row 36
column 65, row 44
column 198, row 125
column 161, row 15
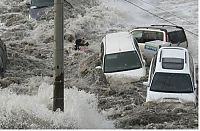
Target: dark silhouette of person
column 80, row 42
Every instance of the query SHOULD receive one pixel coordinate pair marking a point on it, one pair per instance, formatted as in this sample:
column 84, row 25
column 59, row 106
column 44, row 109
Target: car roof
column 173, row 52
column 118, row 42
column 168, row 28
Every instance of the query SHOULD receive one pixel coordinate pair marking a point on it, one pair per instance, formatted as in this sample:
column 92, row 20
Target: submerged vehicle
column 121, row 57
column 167, row 33
column 172, row 77
column 37, row 7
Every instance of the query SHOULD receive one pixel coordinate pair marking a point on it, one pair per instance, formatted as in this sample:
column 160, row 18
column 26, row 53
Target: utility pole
column 58, row 98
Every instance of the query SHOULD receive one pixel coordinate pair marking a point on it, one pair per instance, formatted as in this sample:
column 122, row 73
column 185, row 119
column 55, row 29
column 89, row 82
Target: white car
column 172, row 77
column 121, row 57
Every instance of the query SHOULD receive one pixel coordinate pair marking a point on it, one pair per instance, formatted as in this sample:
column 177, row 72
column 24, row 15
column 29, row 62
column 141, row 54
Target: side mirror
column 146, row 83
column 98, row 67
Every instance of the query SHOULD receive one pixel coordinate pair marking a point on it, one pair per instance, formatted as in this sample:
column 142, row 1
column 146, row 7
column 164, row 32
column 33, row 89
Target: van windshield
column 172, row 83
column 143, row 36
column 122, row 61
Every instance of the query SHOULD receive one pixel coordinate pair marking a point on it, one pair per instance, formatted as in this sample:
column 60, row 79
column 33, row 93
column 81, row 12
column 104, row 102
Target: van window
column 172, row 63
column 176, row 37
column 172, row 83
column 122, row 61
column 182, row 36
column 146, row 36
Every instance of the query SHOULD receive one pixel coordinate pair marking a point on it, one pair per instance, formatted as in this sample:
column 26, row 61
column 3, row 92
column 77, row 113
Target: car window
column 181, row 36
column 172, row 63
column 172, row 83
column 173, row 37
column 146, row 36
column 176, row 37
column 121, row 61
column 137, row 34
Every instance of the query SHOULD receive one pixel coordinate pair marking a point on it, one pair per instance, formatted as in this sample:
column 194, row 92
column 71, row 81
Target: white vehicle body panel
column 170, row 97
column 131, row 75
column 170, row 53
column 152, row 47
column 118, row 42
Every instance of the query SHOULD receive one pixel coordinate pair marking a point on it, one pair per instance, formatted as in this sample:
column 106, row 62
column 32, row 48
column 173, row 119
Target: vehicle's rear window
column 122, row 61
column 143, row 36
column 172, row 63
column 172, row 83
column 176, row 37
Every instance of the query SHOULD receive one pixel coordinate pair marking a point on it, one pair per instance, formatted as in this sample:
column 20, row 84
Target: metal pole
column 58, row 98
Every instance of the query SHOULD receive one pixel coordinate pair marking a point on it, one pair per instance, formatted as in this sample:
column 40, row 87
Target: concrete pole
column 58, row 98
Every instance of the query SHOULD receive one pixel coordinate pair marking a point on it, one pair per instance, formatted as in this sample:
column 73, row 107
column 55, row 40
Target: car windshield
column 143, row 36
column 172, row 83
column 122, row 61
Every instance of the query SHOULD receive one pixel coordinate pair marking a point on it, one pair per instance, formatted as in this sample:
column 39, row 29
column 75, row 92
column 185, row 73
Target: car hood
column 126, row 76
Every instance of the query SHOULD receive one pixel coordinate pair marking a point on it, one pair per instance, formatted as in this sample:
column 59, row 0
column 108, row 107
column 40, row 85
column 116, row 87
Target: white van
column 121, row 57
column 167, row 33
column 172, row 77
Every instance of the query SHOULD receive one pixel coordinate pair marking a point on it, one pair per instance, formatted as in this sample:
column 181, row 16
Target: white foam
column 35, row 111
